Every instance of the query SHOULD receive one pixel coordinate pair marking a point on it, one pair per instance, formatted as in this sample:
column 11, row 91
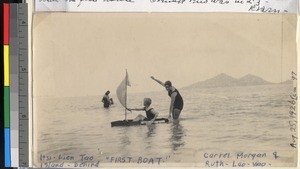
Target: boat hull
column 136, row 123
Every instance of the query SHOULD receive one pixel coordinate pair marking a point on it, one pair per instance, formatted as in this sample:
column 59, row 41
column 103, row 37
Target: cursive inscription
column 131, row 1
column 241, row 159
column 168, row 1
column 80, row 1
column 293, row 113
column 64, row 160
column 137, row 160
column 192, row 1
column 258, row 6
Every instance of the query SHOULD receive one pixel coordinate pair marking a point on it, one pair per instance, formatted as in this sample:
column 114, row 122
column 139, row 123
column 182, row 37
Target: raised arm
column 158, row 81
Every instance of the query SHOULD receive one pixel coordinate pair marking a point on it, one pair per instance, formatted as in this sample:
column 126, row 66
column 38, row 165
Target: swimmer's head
column 168, row 85
column 147, row 102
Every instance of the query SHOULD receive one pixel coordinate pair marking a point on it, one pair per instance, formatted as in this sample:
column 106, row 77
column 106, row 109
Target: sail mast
column 126, row 83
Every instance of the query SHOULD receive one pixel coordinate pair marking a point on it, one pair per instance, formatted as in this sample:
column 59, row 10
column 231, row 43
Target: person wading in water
column 106, row 100
column 176, row 105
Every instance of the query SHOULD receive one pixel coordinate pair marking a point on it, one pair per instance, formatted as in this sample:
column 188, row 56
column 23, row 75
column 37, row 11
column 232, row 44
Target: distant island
column 224, row 80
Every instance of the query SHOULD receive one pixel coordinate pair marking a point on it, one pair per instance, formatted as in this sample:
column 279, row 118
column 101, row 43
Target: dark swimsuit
column 106, row 102
column 149, row 114
column 178, row 103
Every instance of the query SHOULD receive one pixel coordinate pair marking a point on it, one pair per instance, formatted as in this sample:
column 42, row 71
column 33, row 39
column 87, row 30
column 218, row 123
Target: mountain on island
column 224, row 80
column 287, row 82
column 251, row 80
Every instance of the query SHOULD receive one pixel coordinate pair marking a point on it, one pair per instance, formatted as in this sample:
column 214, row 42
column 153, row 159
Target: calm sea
column 243, row 122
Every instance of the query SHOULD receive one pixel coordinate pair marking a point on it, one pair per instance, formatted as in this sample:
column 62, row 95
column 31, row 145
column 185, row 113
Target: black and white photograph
column 164, row 90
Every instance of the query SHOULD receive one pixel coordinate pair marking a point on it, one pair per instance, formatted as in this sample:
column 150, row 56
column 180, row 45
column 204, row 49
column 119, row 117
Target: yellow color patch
column 6, row 65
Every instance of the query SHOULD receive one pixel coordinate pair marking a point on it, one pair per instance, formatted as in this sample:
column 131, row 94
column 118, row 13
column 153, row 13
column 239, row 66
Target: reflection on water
column 150, row 133
column 151, row 130
column 210, row 121
column 151, row 137
column 177, row 135
column 125, row 140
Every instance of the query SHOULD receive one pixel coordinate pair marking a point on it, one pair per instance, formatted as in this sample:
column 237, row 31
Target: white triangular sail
column 122, row 91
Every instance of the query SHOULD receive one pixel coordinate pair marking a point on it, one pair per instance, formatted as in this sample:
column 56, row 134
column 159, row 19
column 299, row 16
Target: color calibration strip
column 6, row 24
column 16, row 125
column 14, row 84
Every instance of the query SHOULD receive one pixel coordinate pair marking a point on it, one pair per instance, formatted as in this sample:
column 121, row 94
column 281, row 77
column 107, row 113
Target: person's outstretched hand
column 148, row 123
column 169, row 117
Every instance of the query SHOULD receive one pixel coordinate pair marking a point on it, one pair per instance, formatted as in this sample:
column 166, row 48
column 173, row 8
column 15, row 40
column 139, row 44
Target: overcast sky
column 87, row 54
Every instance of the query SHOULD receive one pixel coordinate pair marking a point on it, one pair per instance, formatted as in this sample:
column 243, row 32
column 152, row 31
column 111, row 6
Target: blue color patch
column 7, row 147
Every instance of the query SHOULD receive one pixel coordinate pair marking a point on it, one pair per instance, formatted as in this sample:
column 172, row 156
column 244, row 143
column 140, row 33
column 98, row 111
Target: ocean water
column 232, row 120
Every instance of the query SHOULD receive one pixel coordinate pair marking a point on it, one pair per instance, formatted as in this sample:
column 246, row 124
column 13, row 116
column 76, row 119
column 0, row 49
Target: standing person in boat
column 106, row 100
column 151, row 114
column 176, row 105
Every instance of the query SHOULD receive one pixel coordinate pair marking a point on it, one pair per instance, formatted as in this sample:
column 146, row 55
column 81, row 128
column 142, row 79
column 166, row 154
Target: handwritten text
column 293, row 113
column 239, row 159
column 257, row 6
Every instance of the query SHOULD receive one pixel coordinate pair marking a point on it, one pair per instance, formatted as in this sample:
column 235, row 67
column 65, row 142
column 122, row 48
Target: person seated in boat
column 151, row 114
column 106, row 100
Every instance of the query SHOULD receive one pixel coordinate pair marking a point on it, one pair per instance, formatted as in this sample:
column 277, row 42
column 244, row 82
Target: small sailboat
column 122, row 97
